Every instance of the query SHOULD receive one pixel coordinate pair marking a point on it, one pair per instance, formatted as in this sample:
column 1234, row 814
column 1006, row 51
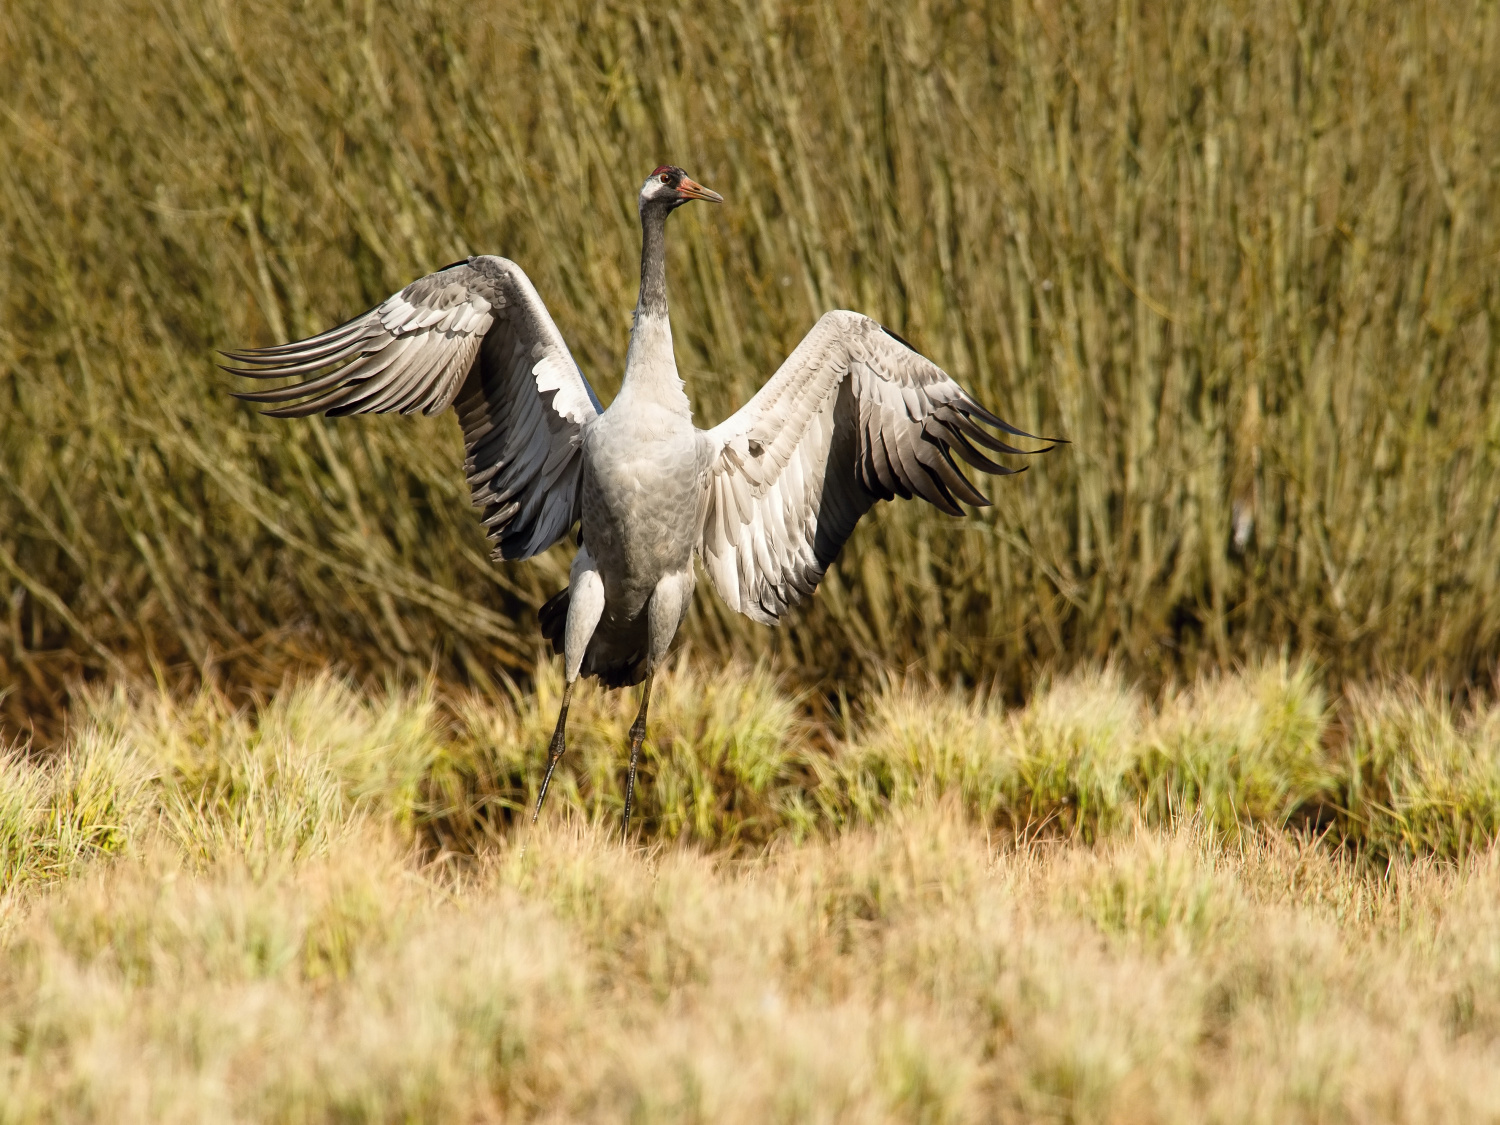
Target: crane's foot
column 554, row 752
column 637, row 736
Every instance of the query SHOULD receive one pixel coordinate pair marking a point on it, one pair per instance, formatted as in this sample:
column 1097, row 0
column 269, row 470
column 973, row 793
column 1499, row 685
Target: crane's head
column 670, row 187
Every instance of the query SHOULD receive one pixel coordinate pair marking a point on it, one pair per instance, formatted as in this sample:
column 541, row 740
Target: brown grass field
column 1092, row 909
column 1165, row 789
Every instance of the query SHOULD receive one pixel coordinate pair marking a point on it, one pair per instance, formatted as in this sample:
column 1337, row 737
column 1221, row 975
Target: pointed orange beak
column 694, row 190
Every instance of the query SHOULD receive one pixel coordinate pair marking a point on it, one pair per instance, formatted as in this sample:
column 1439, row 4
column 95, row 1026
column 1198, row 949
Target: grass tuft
column 1242, row 748
column 1419, row 778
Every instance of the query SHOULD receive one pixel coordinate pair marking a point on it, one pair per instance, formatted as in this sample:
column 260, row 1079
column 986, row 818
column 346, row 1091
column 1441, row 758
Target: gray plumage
column 766, row 499
column 474, row 336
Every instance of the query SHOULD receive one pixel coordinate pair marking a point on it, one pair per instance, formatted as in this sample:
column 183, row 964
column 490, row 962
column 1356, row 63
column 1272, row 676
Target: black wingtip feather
column 957, row 443
column 241, row 372
column 975, row 410
column 293, row 411
column 296, row 410
column 900, row 339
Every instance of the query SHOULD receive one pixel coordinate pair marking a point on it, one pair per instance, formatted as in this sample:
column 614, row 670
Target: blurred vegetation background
column 1241, row 254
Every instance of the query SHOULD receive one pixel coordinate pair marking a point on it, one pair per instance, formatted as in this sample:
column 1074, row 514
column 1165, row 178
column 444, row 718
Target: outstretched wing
column 853, row 416
column 474, row 336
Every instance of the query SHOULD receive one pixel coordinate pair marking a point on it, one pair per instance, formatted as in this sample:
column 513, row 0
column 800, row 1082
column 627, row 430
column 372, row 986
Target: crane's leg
column 665, row 611
column 554, row 751
column 585, row 607
column 637, row 736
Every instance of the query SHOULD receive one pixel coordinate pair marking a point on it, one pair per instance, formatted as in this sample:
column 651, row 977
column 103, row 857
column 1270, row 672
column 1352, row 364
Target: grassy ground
column 1240, row 253
column 1249, row 903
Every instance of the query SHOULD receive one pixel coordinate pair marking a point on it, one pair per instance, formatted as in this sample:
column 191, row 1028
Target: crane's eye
column 665, row 178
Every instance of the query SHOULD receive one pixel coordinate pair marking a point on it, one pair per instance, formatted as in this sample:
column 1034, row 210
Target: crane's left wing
column 853, row 416
column 477, row 337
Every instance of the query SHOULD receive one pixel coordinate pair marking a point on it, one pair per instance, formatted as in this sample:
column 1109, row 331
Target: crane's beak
column 691, row 189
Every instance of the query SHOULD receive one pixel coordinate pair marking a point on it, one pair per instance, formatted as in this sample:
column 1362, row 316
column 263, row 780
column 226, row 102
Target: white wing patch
column 554, row 373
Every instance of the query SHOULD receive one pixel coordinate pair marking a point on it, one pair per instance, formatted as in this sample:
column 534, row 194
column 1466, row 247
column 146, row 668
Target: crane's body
column 766, row 499
column 641, row 498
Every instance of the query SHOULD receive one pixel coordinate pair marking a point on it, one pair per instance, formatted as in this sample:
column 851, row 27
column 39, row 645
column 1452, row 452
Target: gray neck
column 653, row 298
column 650, row 367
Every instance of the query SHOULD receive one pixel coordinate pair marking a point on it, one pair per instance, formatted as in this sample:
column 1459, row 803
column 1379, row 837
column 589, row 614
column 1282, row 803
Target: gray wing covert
column 853, row 416
column 474, row 336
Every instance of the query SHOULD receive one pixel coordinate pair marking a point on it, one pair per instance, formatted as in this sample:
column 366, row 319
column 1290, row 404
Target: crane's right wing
column 853, row 416
column 474, row 336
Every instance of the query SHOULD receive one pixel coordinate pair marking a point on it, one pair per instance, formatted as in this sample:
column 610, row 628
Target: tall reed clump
column 1239, row 253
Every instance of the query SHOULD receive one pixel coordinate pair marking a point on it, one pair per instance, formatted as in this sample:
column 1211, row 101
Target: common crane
column 766, row 499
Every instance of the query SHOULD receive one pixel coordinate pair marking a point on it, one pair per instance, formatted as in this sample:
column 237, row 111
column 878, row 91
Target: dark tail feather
column 554, row 618
column 625, row 673
column 612, row 666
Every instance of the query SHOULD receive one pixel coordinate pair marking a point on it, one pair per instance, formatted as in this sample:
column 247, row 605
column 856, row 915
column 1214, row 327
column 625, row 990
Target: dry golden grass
column 1240, row 253
column 224, row 915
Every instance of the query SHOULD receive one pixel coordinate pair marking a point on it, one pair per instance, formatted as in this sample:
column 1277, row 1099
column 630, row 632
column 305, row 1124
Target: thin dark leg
column 637, row 736
column 555, row 752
